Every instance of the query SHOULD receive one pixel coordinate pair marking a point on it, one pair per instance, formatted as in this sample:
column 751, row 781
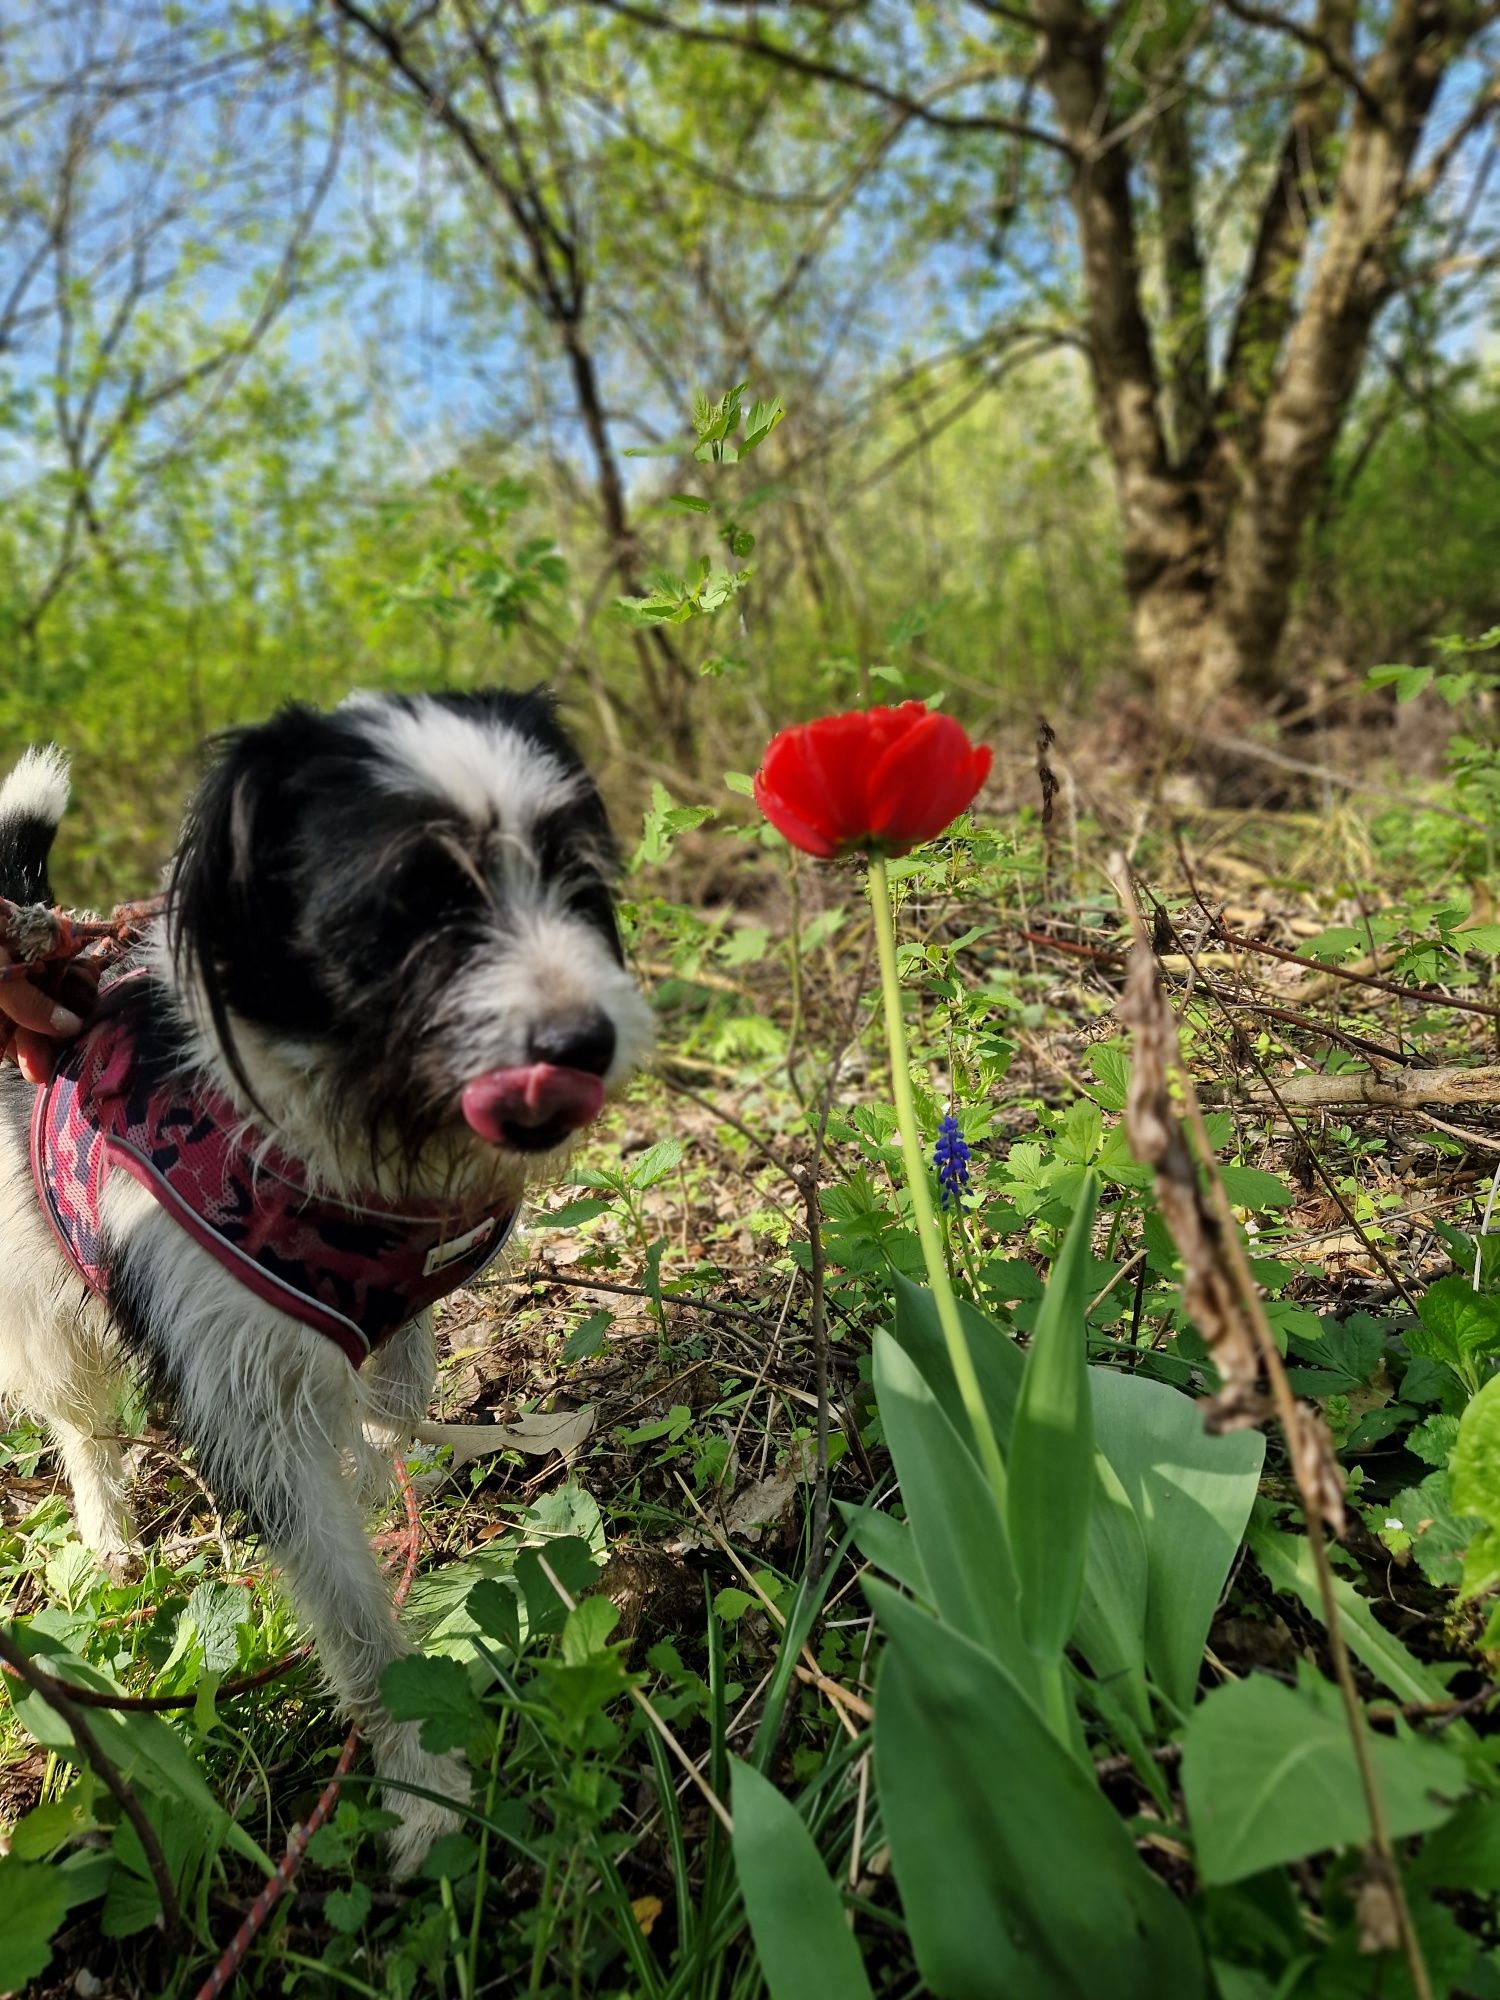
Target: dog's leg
column 344, row 1600
column 273, row 1412
column 396, row 1385
column 95, row 1465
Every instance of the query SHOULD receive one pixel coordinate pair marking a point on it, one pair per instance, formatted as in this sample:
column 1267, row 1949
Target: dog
column 384, row 992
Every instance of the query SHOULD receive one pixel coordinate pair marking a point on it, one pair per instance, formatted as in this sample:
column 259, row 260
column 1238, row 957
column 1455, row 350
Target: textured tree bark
column 1215, row 494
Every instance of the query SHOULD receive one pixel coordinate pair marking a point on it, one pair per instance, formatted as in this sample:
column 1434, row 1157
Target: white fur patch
column 493, row 775
column 38, row 787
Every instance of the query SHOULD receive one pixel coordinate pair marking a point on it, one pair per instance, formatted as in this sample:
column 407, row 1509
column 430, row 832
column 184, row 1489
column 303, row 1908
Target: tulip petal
column 878, row 777
column 790, row 824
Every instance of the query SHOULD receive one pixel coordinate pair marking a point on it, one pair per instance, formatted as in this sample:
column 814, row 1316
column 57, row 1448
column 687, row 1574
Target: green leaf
column 1474, row 1481
column 218, row 1611
column 1249, row 1187
column 587, row 1338
column 1407, row 681
column 731, row 1603
column 951, row 1511
column 33, row 1903
column 687, row 503
column 347, row 1909
column 1016, row 1875
column 802, row 1940
column 570, row 1214
column 1110, row 1062
column 1051, row 1462
column 1459, row 1326
column 1288, row 1563
column 435, row 1691
column 960, row 1538
column 1192, row 1495
column 496, row 1610
column 587, row 1628
column 1269, row 1776
column 656, row 1163
column 1432, row 1529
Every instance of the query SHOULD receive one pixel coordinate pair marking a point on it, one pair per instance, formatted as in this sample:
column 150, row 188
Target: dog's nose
column 582, row 1040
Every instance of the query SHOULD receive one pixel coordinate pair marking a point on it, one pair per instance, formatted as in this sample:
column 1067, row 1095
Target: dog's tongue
column 535, row 1094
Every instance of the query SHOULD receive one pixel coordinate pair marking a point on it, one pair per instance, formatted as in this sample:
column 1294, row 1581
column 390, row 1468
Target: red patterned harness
column 355, row 1272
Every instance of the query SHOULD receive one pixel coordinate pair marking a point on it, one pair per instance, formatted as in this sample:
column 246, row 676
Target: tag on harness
column 441, row 1255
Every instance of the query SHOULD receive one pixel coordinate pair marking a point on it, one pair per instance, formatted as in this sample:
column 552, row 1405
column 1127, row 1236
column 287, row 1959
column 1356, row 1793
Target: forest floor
column 1320, row 942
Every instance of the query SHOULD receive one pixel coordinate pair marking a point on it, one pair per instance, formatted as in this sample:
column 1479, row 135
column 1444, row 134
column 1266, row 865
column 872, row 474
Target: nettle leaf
column 1429, row 1526
column 587, row 1338
column 1407, row 681
column 1459, row 1326
column 454, row 1855
column 1474, row 1483
column 218, row 1611
column 654, row 1165
column 1110, row 1062
column 1433, row 1439
column 347, row 1909
column 436, row 1692
column 1346, row 1353
column 1269, row 1776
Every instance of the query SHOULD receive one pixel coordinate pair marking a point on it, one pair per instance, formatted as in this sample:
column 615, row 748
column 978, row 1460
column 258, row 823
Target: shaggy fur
column 367, row 909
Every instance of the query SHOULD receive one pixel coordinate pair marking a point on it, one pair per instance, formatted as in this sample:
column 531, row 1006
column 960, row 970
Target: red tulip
column 879, row 779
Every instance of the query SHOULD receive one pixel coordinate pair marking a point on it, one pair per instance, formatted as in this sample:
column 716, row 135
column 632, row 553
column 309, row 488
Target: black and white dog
column 385, row 991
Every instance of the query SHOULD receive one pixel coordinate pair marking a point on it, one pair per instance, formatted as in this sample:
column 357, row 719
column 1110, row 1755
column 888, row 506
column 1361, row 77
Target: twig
column 1314, row 1468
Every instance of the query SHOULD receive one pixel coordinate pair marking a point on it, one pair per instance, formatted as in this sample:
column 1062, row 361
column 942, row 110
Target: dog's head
column 394, row 930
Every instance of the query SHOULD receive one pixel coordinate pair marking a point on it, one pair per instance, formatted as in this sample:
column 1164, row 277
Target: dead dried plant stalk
column 1224, row 1303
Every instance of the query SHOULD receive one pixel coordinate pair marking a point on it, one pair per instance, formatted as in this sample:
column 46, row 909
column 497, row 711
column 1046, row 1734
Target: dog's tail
column 33, row 800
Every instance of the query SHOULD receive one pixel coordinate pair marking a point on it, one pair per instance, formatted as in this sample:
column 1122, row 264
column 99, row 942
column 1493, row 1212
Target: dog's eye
column 431, row 885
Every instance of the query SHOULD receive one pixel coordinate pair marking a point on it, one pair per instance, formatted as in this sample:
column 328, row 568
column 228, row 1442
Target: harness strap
column 353, row 1271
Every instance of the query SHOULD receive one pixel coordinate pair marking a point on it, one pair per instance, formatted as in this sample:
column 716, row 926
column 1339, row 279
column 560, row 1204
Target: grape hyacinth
column 951, row 1158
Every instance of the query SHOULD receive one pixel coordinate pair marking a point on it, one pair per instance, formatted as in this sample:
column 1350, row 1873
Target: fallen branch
column 1403, row 1091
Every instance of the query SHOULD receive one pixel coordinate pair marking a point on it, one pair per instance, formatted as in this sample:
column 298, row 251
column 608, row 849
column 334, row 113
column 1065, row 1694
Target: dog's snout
column 582, row 1040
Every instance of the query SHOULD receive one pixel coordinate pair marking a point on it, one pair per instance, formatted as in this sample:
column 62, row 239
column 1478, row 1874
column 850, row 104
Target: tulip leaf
column 1051, row 1461
column 796, row 1915
column 1016, row 1875
column 1192, row 1495
column 959, row 1537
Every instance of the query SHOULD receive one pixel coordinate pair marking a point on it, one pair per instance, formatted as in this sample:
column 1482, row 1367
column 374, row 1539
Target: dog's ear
column 231, row 899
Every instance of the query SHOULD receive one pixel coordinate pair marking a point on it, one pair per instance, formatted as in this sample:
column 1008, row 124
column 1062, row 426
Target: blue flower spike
column 951, row 1158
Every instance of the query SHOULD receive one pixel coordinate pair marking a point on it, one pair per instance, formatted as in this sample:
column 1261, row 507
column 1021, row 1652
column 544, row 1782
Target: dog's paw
column 423, row 1820
column 121, row 1562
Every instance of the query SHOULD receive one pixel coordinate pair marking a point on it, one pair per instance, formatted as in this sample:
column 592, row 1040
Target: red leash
column 41, row 936
column 296, row 1847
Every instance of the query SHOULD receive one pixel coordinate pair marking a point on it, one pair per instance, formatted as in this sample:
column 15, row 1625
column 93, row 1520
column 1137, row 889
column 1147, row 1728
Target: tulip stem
column 949, row 1319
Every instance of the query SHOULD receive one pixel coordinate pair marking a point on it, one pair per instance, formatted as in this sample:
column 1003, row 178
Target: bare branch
column 821, row 71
